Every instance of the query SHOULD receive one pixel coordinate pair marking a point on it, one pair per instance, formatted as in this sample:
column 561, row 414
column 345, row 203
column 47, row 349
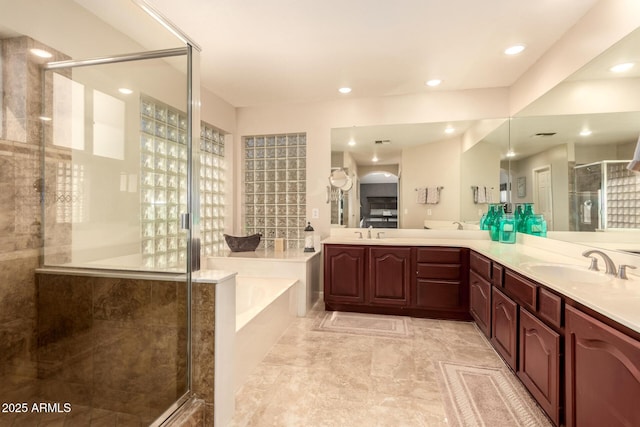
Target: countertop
column 616, row 299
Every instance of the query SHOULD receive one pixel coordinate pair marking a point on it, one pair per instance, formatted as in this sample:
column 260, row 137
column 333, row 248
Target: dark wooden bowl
column 243, row 244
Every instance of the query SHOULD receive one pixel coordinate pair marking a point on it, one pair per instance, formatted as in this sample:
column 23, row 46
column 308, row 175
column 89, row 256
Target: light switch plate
column 315, row 213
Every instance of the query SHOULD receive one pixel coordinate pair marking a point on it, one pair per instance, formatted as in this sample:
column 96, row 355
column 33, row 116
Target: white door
column 542, row 194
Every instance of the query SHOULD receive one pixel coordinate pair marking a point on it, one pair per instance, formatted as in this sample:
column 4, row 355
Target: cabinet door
column 539, row 363
column 344, row 268
column 480, row 302
column 389, row 275
column 602, row 374
column 504, row 331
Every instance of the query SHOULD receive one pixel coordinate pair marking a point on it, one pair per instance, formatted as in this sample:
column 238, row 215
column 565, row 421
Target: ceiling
column 257, row 52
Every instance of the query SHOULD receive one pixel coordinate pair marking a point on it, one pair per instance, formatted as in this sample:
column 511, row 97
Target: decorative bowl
column 244, row 243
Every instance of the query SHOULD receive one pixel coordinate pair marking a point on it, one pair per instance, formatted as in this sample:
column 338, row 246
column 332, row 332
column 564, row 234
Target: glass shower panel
column 115, row 166
column 114, row 337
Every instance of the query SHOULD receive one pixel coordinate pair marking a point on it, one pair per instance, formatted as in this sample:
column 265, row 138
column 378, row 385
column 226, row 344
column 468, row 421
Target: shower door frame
column 189, row 220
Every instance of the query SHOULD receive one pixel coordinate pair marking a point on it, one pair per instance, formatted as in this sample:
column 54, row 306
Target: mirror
column 546, row 140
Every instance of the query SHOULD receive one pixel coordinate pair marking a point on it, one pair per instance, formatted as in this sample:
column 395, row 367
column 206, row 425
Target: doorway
column 543, row 193
column 379, row 200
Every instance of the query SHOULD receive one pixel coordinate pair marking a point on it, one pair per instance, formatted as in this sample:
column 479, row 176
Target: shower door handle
column 185, row 221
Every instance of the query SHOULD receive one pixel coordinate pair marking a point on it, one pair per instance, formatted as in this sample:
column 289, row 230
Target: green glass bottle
column 536, row 225
column 507, row 227
column 494, row 230
column 528, row 211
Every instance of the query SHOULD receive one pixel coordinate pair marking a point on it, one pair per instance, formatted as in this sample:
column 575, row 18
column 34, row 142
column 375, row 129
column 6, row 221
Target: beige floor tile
column 317, row 378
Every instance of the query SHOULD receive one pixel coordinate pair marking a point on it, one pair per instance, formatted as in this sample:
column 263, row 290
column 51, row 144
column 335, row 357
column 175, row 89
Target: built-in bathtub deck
column 267, row 263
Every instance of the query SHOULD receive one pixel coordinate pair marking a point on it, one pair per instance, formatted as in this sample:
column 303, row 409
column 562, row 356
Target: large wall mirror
column 571, row 148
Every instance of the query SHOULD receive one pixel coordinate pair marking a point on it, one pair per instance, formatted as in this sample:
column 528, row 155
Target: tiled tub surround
column 264, row 309
column 98, row 338
column 263, row 263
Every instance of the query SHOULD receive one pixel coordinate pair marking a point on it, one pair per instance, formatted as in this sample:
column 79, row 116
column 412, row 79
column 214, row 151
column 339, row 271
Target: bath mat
column 364, row 324
column 481, row 396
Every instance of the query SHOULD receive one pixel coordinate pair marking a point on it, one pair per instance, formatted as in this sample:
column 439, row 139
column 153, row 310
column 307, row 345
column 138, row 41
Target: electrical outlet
column 315, row 213
column 428, row 212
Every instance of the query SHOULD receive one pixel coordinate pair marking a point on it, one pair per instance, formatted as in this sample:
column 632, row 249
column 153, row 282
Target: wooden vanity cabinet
column 401, row 280
column 389, row 275
column 344, row 274
column 602, row 373
column 480, row 291
column 441, row 282
column 504, row 327
column 539, row 363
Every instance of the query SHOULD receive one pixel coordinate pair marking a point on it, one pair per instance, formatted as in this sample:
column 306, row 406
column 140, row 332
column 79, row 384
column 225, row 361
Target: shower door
column 116, row 193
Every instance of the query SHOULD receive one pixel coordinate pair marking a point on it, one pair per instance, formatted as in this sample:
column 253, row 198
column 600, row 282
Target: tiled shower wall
column 113, row 344
column 20, row 214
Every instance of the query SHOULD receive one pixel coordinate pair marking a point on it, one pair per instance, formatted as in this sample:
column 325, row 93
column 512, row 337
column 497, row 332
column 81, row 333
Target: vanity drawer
column 497, row 276
column 550, row 307
column 521, row 289
column 481, row 265
column 438, row 271
column 439, row 255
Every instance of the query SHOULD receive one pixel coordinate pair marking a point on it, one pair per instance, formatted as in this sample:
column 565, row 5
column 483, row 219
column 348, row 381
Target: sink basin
column 568, row 273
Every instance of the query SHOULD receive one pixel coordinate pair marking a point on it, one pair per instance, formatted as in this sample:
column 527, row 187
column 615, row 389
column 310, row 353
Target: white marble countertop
column 212, row 276
column 293, row 255
column 617, row 299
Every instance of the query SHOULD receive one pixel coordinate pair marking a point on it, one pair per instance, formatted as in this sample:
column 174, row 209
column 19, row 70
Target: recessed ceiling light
column 585, row 132
column 433, row 82
column 387, row 175
column 449, row 130
column 514, row 50
column 45, row 118
column 344, row 90
column 511, row 153
column 125, row 91
column 621, row 68
column 351, row 143
column 40, row 53
column 375, row 158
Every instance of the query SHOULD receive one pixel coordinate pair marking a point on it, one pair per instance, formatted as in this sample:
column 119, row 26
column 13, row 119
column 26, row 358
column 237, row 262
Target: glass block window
column 212, row 184
column 163, row 189
column 69, row 193
column 275, row 188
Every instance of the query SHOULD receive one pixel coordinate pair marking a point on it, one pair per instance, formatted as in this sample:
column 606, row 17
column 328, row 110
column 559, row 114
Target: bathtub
column 264, row 309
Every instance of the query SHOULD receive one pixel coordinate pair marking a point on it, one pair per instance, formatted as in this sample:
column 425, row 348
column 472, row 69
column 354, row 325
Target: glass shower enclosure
column 108, row 242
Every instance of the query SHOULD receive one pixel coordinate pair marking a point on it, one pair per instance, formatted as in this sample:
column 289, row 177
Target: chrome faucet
column 369, row 231
column 611, row 267
column 459, row 225
column 359, row 233
column 380, row 234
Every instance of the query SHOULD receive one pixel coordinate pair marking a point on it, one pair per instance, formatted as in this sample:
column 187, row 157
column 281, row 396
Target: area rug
column 364, row 324
column 481, row 396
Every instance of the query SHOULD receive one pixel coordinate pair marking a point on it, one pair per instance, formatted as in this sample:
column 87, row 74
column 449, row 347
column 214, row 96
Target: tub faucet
column 611, row 267
column 369, row 231
column 459, row 225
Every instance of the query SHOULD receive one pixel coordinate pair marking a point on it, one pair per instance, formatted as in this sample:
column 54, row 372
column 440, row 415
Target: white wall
column 479, row 166
column 434, row 164
column 318, row 119
column 602, row 26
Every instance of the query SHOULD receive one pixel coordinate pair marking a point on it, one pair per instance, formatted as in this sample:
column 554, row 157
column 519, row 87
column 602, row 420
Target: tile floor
column 323, row 373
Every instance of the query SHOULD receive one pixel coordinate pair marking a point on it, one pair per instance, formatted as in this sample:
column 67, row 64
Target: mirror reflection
column 570, row 150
